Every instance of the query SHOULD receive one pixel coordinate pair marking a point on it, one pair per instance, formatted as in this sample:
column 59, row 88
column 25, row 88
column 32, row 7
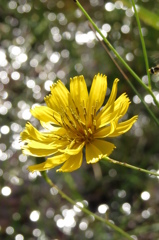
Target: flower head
column 74, row 120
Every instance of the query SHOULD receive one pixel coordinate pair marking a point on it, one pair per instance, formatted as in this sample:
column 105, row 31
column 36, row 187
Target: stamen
column 65, row 125
column 72, row 143
column 94, row 124
column 90, row 130
column 79, row 123
column 95, row 108
column 85, row 132
column 85, row 112
column 70, row 121
column 56, row 120
column 59, row 137
column 77, row 111
column 75, row 107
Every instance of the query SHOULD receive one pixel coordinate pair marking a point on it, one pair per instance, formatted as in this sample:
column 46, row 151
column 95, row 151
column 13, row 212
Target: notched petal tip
column 101, row 156
column 96, row 159
column 135, row 118
column 80, row 77
column 100, row 75
column 56, row 84
column 116, row 80
column 98, row 150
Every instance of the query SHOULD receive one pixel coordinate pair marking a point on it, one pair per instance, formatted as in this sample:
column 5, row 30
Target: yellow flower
column 74, row 120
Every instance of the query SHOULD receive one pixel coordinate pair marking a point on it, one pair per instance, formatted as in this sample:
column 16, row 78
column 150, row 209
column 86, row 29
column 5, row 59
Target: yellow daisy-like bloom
column 75, row 120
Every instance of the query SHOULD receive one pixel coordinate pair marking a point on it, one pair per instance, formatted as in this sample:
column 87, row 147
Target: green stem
column 83, row 209
column 131, row 166
column 143, row 44
column 116, row 53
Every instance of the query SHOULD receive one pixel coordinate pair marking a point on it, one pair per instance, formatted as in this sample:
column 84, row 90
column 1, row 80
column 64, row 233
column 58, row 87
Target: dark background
column 42, row 41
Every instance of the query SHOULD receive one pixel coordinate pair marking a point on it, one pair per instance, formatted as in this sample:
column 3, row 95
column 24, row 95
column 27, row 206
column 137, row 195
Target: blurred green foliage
column 42, row 41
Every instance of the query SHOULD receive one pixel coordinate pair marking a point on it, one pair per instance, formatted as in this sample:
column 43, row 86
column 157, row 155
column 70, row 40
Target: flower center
column 79, row 126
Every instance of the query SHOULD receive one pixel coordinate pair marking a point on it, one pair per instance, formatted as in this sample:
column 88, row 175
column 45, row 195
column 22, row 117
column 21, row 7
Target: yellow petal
column 37, row 153
column 37, row 167
column 49, row 163
column 79, row 96
column 32, row 133
column 119, row 109
column 113, row 93
column 56, row 160
column 106, row 130
column 49, row 126
column 98, row 149
column 97, row 95
column 113, row 105
column 102, row 132
column 110, row 102
column 72, row 163
column 74, row 150
column 46, row 114
column 123, row 127
column 122, row 98
column 98, row 91
column 58, row 99
column 125, row 103
column 109, row 116
column 78, row 90
column 35, row 148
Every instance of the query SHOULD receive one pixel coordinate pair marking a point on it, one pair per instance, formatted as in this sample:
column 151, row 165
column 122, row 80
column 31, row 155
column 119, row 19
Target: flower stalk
column 131, row 166
column 85, row 210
